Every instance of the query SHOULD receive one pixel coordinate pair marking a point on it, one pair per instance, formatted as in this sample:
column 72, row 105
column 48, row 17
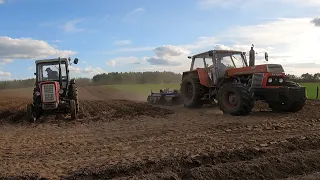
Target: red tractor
column 236, row 86
column 53, row 91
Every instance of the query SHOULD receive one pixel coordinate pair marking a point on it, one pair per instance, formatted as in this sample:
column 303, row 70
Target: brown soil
column 124, row 139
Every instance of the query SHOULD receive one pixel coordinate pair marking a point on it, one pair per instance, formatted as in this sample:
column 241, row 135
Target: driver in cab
column 52, row 74
column 221, row 69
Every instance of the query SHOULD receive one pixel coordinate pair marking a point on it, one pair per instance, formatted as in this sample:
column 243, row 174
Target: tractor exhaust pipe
column 252, row 56
column 60, row 76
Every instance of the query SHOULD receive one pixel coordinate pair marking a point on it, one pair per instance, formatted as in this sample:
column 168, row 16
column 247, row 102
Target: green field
column 311, row 89
column 144, row 89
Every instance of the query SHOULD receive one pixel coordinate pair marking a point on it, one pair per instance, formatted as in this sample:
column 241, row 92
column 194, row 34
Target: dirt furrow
column 290, row 157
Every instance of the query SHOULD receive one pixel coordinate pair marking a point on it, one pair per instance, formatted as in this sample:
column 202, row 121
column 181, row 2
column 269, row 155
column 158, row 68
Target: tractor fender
column 202, row 75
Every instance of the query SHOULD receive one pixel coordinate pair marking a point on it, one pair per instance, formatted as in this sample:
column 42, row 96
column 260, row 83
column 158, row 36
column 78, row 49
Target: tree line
column 137, row 78
column 306, row 77
column 108, row 79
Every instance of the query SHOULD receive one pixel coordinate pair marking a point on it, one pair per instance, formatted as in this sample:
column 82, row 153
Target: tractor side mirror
column 35, row 74
column 75, row 61
column 266, row 56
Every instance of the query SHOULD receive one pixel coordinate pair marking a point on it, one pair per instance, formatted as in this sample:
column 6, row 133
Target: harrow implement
column 164, row 97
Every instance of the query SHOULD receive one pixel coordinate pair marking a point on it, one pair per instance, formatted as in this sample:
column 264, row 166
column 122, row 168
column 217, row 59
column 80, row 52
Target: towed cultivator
column 165, row 97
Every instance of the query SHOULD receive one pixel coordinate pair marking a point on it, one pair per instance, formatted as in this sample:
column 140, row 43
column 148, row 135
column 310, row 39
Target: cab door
column 199, row 64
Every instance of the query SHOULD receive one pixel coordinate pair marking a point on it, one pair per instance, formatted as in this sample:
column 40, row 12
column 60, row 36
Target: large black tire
column 294, row 106
column 36, row 99
column 235, row 99
column 73, row 95
column 33, row 113
column 73, row 109
column 30, row 114
column 191, row 91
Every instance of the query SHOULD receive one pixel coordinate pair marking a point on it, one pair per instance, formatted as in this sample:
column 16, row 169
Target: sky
column 146, row 35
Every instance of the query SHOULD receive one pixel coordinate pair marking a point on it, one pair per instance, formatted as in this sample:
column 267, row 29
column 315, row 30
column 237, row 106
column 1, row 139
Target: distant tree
column 307, row 76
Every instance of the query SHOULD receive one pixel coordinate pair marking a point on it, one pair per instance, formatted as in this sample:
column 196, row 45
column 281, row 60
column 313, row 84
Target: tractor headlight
column 60, row 91
column 269, row 80
column 280, row 80
column 37, row 93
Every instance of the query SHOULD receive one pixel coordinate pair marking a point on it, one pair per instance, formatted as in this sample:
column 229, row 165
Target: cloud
column 57, row 41
column 5, row 74
column 1, row 2
column 288, row 37
column 111, row 63
column 253, row 3
column 202, row 42
column 133, row 15
column 87, row 72
column 161, row 61
column 122, row 42
column 27, row 48
column 133, row 49
column 136, row 11
column 220, row 3
column 94, row 71
column 71, row 26
column 5, row 61
column 287, row 41
column 168, row 55
column 120, row 61
column 316, row 21
column 169, row 50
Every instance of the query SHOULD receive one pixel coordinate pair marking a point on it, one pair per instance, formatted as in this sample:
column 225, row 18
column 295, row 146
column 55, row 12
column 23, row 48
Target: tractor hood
column 263, row 68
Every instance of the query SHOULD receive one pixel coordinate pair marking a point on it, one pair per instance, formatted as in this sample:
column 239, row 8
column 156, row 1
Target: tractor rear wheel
column 73, row 109
column 191, row 91
column 235, row 99
column 294, row 106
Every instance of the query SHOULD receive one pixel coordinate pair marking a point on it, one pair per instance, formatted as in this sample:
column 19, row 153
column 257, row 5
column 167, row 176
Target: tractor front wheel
column 32, row 113
column 235, row 99
column 73, row 95
column 191, row 91
column 73, row 109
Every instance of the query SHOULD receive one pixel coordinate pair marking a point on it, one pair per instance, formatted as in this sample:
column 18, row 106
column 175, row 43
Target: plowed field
column 128, row 139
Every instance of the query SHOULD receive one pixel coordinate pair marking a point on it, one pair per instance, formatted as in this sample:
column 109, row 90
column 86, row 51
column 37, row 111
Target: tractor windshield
column 231, row 60
column 50, row 71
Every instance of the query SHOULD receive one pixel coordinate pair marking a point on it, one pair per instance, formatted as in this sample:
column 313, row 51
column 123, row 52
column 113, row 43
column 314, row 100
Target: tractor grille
column 48, row 93
column 257, row 80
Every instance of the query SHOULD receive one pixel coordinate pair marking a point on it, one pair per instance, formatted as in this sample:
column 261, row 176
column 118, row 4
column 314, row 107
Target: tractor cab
column 53, row 69
column 216, row 63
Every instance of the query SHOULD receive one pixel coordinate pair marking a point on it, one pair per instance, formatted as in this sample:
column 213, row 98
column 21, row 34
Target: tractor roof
column 51, row 60
column 206, row 54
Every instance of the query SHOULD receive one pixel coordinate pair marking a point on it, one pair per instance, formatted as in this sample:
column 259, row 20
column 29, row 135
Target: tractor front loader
column 53, row 91
column 236, row 86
